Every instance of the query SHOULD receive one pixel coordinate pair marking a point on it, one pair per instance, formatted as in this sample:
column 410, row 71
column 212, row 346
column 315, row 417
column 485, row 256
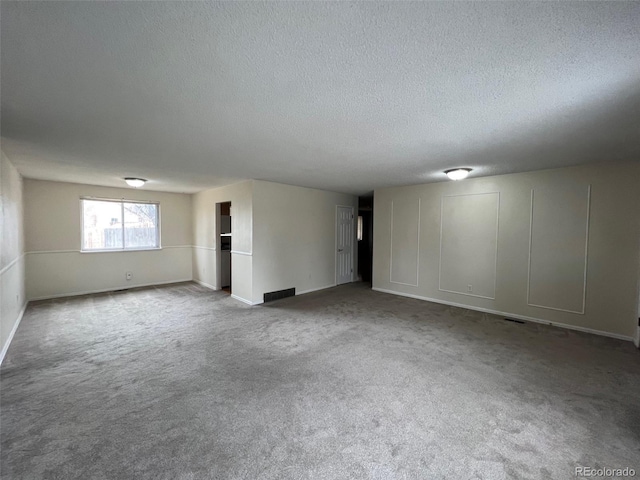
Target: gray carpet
column 184, row 383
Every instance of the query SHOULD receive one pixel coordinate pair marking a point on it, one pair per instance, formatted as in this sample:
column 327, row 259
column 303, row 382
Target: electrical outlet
column 469, row 288
column 129, row 275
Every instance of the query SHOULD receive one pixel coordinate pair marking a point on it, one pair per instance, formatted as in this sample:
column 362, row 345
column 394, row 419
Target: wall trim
column 41, row 252
column 238, row 252
column 495, row 267
column 213, row 249
column 417, row 250
column 466, row 294
column 206, row 285
column 5, row 347
column 316, row 289
column 511, row 315
column 243, row 300
column 12, row 263
column 586, row 259
column 111, row 289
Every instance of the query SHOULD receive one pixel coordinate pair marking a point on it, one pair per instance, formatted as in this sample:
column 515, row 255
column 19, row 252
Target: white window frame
column 121, row 201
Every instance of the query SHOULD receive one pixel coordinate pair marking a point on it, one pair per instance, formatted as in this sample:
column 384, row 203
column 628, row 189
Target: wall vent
column 271, row 296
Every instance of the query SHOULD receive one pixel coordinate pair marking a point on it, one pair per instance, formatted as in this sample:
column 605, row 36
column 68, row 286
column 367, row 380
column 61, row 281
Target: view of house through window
column 119, row 225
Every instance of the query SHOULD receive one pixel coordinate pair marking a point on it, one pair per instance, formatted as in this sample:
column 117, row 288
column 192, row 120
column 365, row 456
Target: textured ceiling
column 340, row 96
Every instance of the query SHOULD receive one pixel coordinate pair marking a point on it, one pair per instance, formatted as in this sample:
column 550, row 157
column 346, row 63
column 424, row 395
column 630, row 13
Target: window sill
column 122, row 250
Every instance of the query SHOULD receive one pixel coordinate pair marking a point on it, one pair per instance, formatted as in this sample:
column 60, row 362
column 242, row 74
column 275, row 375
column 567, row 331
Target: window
column 359, row 230
column 119, row 225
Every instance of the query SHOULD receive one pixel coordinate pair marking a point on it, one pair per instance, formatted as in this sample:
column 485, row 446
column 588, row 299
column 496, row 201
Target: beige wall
column 56, row 267
column 294, row 235
column 12, row 284
column 283, row 237
column 205, row 253
column 606, row 290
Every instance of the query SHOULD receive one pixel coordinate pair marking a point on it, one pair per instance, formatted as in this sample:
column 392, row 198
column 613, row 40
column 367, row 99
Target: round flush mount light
column 457, row 173
column 135, row 182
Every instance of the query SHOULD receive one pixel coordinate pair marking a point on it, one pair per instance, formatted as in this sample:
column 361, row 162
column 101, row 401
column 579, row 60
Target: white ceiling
column 339, row 96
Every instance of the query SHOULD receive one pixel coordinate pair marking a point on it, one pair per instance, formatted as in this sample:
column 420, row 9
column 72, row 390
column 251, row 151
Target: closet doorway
column 223, row 246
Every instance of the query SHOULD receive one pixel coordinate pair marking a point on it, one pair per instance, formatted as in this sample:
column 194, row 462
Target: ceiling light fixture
column 458, row 173
column 135, row 182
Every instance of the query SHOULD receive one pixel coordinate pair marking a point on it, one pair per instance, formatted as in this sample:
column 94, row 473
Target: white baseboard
column 315, row 289
column 5, row 347
column 300, row 293
column 104, row 290
column 206, row 285
column 236, row 297
column 509, row 315
column 243, row 300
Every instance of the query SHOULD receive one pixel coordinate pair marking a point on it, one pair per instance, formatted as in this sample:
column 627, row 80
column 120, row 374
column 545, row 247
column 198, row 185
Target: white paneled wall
column 559, row 238
column 567, row 254
column 405, row 241
column 469, row 244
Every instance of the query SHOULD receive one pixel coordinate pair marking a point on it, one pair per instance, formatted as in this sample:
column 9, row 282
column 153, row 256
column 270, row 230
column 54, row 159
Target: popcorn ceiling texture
column 335, row 95
column 181, row 382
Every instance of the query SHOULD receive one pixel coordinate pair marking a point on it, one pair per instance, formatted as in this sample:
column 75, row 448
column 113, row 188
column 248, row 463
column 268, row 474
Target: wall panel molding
column 468, row 260
column 417, row 253
column 554, row 253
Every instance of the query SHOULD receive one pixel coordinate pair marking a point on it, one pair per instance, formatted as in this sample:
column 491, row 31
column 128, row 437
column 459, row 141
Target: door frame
column 218, row 245
column 335, row 247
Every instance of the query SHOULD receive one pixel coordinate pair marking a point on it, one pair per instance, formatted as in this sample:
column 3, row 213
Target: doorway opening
column 365, row 238
column 223, row 246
